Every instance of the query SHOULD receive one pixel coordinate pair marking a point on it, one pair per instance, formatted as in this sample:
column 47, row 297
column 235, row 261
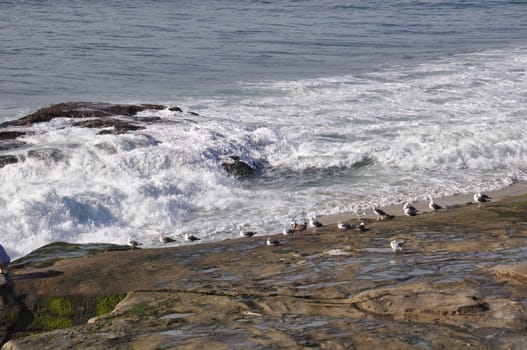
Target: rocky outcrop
column 175, row 109
column 80, row 110
column 7, row 159
column 112, row 119
column 240, row 293
column 8, row 140
column 10, row 135
column 236, row 167
column 516, row 273
column 436, row 304
column 46, row 154
column 10, row 145
column 119, row 126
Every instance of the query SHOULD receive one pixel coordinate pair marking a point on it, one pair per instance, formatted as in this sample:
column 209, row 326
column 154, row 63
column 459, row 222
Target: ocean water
column 343, row 105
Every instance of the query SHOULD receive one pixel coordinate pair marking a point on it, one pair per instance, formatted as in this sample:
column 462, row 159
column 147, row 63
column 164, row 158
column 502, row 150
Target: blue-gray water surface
column 54, row 51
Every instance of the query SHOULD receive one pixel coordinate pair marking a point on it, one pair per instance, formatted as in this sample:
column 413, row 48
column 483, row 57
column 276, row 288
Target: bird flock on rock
column 297, row 226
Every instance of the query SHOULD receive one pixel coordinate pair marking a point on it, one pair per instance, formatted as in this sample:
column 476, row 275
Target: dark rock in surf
column 237, row 168
column 8, row 159
column 96, row 123
column 80, row 110
column 175, row 109
column 119, row 126
column 10, row 135
column 114, row 131
column 46, row 154
column 8, row 140
column 145, row 106
column 147, row 119
column 106, row 147
column 10, row 144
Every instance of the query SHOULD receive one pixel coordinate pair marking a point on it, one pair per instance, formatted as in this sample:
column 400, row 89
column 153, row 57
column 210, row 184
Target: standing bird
column 409, row 210
column 298, row 226
column 344, row 225
column 396, row 245
column 247, row 233
column 133, row 243
column 481, row 198
column 288, row 231
column 434, row 206
column 191, row 238
column 166, row 239
column 313, row 223
column 378, row 211
column 272, row 241
column 381, row 214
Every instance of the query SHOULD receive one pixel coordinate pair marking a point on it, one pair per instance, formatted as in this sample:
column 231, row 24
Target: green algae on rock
column 50, row 313
column 106, row 303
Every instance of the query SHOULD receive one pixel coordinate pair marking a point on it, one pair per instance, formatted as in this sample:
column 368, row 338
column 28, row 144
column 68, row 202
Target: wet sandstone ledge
column 459, row 283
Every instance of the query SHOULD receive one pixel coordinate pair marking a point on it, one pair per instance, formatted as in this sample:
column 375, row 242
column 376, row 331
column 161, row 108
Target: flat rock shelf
column 458, row 283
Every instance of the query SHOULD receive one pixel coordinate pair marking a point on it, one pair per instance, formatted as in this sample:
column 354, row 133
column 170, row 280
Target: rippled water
column 157, row 50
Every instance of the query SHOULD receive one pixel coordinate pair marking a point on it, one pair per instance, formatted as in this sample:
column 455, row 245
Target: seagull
column 433, row 205
column 272, row 241
column 191, row 238
column 298, row 227
column 381, row 214
column 247, row 233
column 166, row 239
column 481, row 198
column 409, row 210
column 288, row 231
column 362, row 227
column 378, row 211
column 344, row 225
column 313, row 223
column 133, row 243
column 396, row 245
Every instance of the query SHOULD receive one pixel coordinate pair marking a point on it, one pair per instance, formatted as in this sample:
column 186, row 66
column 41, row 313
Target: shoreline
column 447, row 202
column 196, row 210
column 458, row 282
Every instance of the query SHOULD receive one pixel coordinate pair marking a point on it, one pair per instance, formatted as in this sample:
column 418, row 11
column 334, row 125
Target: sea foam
column 323, row 145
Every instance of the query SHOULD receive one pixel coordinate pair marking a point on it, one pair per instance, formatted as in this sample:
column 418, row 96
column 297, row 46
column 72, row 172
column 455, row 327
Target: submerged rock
column 175, row 109
column 9, row 135
column 46, row 154
column 6, row 145
column 119, row 126
column 8, row 159
column 148, row 119
column 8, row 140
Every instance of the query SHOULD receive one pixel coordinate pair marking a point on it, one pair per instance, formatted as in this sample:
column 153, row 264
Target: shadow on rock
column 35, row 275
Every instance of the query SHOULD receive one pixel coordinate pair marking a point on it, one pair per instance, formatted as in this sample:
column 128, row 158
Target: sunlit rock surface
column 458, row 283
